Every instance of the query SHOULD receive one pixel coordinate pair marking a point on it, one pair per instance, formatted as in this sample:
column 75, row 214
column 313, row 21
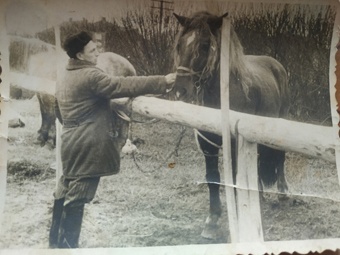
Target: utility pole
column 163, row 6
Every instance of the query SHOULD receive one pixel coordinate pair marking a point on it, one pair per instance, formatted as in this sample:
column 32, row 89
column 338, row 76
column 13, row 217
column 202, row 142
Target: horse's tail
column 269, row 161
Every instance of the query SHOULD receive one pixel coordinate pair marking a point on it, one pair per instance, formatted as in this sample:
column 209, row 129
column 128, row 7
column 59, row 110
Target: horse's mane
column 237, row 61
column 238, row 68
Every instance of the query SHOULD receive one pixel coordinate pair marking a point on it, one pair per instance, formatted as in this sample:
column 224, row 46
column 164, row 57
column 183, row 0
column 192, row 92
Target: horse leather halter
column 190, row 72
column 187, row 72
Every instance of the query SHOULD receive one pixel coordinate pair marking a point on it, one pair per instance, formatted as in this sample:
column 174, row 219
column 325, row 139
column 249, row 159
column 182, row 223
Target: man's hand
column 170, row 80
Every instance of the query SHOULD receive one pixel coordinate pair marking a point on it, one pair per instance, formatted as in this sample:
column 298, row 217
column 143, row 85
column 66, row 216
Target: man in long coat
column 90, row 140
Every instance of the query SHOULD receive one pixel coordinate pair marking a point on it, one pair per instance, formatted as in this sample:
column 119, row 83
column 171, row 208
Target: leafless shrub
column 299, row 37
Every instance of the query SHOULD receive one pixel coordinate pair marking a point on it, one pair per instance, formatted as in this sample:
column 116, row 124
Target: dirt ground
column 151, row 204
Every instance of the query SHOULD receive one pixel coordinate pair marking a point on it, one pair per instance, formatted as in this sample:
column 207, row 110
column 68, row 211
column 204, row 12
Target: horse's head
column 197, row 54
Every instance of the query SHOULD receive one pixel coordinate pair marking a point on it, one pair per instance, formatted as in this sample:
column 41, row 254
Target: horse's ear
column 181, row 19
column 216, row 23
column 225, row 15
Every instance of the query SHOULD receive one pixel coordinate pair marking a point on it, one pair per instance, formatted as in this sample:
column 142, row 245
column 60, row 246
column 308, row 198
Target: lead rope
column 174, row 151
column 198, row 133
column 124, row 116
column 133, row 150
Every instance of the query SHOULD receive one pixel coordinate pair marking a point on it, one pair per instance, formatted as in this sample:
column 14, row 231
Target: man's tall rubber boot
column 70, row 226
column 56, row 218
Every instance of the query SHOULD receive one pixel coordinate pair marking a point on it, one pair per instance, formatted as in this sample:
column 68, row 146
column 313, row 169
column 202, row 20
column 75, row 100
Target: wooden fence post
column 59, row 165
column 243, row 203
column 247, row 193
column 227, row 168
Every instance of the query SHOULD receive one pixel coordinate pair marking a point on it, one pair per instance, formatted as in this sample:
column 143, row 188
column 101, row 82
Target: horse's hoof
column 212, row 229
column 210, row 232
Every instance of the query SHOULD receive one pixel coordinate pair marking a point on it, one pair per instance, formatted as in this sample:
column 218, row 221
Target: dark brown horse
column 258, row 85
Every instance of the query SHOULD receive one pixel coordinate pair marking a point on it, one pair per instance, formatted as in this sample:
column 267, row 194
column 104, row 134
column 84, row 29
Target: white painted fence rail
column 33, row 83
column 308, row 139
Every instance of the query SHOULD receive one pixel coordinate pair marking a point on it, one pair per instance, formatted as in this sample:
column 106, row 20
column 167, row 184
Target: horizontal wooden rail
column 33, row 83
column 311, row 140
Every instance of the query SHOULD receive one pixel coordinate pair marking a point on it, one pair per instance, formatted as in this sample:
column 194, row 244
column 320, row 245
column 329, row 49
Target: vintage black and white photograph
column 159, row 123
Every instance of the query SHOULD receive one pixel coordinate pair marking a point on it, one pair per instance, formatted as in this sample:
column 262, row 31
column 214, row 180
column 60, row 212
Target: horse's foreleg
column 213, row 178
column 209, row 145
column 43, row 130
column 282, row 185
column 47, row 129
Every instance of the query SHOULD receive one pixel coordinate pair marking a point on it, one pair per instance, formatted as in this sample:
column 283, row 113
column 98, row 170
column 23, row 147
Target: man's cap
column 76, row 43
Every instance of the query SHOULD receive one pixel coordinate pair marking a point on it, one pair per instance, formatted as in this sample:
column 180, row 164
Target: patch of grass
column 24, row 169
column 152, row 203
column 21, row 141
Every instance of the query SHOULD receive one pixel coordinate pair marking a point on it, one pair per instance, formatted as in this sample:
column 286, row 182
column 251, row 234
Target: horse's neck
column 212, row 92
